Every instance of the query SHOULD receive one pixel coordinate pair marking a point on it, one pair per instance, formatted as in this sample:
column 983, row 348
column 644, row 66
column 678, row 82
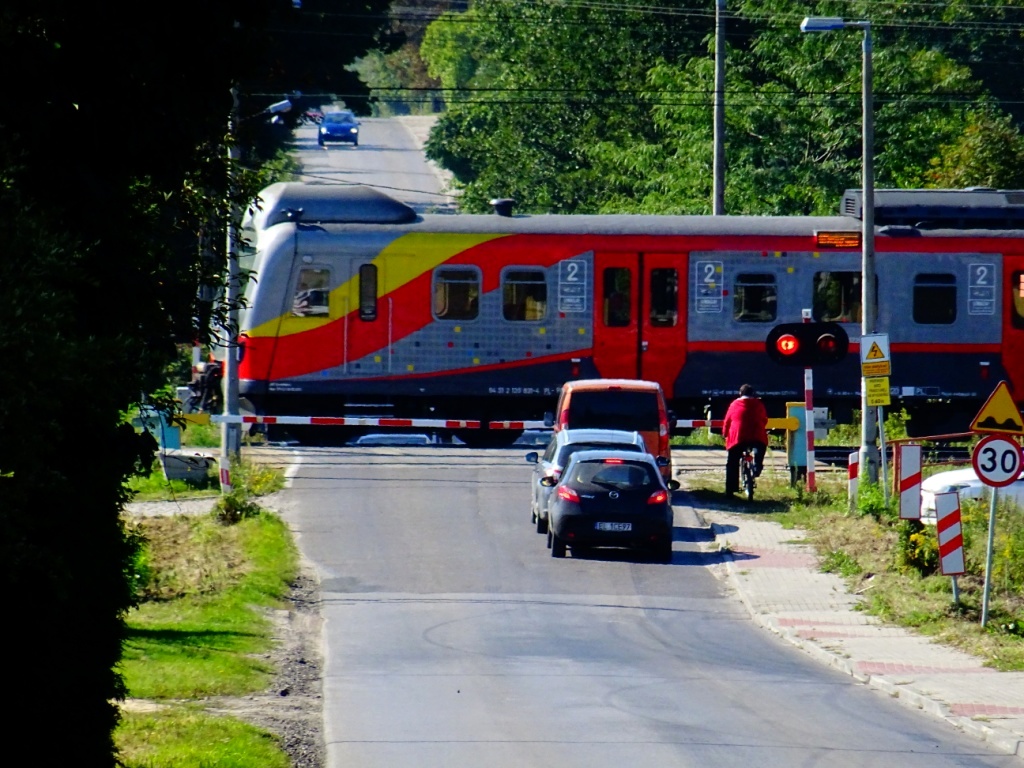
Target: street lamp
column 869, row 458
column 231, row 432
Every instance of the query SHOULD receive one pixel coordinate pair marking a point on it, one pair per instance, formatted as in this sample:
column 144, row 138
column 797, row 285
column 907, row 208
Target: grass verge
column 893, row 563
column 202, row 629
column 186, row 736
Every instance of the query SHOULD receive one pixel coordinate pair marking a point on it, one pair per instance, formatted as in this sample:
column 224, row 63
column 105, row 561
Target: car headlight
column 355, row 130
column 323, row 129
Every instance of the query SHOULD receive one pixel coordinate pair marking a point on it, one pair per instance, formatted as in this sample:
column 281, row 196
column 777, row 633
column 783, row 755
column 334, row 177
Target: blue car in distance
column 339, row 126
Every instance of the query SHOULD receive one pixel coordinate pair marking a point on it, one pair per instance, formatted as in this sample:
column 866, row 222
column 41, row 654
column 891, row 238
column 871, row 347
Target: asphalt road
column 389, row 157
column 452, row 638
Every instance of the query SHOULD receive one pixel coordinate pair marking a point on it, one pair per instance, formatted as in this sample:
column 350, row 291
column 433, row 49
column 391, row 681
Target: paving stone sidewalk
column 777, row 578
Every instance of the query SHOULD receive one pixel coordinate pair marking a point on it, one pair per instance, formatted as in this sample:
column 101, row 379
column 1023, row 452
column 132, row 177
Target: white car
column 968, row 485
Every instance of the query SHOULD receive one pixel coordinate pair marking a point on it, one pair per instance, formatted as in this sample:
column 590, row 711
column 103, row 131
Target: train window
column 1018, row 299
column 617, row 301
column 755, row 298
column 312, row 293
column 367, row 292
column 456, row 293
column 837, row 297
column 934, row 299
column 525, row 294
column 664, row 297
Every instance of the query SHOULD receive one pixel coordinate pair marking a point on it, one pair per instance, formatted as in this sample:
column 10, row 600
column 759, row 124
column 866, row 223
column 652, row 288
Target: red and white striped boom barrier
column 384, row 422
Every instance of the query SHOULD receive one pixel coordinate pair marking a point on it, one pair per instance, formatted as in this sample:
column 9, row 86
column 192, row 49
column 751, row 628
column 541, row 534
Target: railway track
column 838, row 455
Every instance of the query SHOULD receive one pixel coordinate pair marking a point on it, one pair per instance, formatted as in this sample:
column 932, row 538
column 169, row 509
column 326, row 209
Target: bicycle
column 748, row 472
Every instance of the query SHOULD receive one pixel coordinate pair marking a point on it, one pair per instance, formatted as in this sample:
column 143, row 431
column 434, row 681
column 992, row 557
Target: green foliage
column 249, row 480
column 917, row 548
column 631, row 130
column 840, row 563
column 871, row 502
column 104, row 251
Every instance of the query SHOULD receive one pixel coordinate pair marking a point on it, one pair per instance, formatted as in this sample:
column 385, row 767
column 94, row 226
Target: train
column 362, row 311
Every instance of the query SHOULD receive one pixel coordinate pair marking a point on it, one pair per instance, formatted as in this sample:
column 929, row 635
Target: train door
column 1013, row 324
column 639, row 329
column 368, row 318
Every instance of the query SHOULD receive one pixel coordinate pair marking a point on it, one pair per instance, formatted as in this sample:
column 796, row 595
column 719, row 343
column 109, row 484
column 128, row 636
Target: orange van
column 629, row 404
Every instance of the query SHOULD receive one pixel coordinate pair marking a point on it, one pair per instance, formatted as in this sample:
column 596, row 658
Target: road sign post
column 997, row 461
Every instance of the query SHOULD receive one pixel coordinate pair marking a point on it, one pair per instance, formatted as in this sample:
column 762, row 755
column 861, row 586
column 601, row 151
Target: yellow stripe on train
column 428, row 249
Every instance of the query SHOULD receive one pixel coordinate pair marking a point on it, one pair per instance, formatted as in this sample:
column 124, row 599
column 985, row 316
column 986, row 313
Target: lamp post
column 231, row 431
column 869, row 457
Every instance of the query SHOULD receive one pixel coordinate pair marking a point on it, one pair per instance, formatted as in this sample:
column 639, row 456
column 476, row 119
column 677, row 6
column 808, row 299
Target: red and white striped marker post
column 950, row 533
column 225, row 475
column 809, row 414
column 909, row 462
column 809, row 426
column 852, row 478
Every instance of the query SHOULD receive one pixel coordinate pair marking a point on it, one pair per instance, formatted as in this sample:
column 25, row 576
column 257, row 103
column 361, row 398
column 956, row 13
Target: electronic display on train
column 837, row 239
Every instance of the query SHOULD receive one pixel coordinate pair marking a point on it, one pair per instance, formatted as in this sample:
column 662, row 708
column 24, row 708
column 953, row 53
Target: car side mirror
column 549, row 419
column 533, row 457
column 549, row 481
column 673, row 484
column 672, row 420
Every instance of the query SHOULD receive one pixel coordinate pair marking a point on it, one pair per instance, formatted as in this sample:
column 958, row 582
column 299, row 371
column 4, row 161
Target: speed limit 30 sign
column 997, row 460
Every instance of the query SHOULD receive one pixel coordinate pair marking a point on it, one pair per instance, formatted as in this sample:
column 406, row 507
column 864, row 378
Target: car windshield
column 340, row 117
column 617, row 475
column 614, row 409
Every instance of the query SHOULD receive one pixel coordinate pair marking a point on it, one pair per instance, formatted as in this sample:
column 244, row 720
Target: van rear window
column 615, row 409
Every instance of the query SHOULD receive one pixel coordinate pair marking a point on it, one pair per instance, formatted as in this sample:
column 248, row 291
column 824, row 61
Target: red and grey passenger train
column 362, row 307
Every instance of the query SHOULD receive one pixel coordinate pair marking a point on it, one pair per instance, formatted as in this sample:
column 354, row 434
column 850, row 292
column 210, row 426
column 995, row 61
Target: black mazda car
column 610, row 499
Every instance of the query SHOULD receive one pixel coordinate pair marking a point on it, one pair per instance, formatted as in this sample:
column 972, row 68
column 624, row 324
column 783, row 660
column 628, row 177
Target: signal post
column 808, row 344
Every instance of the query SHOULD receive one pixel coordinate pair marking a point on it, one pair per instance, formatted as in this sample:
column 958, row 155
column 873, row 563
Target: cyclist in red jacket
column 745, row 426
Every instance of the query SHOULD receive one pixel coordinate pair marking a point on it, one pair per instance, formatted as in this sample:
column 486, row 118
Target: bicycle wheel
column 747, row 469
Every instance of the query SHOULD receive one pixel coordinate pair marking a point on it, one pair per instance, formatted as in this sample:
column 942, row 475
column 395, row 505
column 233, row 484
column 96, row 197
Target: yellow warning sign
column 875, row 353
column 999, row 414
column 877, row 390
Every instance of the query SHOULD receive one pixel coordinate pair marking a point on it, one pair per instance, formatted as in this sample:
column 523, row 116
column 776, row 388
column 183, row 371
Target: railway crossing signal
column 807, row 344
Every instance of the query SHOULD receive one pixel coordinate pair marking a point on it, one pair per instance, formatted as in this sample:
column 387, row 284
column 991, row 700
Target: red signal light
column 807, row 344
column 827, row 344
column 787, row 344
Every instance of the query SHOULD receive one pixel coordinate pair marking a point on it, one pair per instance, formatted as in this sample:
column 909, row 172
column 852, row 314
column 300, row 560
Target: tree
column 555, row 80
column 600, row 109
column 112, row 161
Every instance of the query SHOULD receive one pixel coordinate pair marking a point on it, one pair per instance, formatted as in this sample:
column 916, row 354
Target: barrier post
column 225, row 474
column 910, row 480
column 852, row 473
column 951, row 538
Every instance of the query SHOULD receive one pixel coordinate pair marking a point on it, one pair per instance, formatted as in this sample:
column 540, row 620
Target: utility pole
column 231, row 443
column 718, row 193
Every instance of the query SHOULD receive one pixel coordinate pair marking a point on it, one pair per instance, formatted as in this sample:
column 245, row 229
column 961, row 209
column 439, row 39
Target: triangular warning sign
column 875, row 353
column 999, row 414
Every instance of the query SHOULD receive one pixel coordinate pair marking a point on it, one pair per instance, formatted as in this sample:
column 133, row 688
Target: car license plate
column 614, row 526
